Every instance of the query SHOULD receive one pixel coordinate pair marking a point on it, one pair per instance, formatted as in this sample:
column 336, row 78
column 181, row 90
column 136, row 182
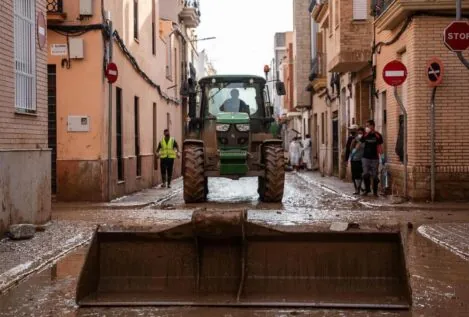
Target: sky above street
column 244, row 31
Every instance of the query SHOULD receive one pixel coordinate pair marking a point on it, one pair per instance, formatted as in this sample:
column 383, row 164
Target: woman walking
column 295, row 153
column 356, row 155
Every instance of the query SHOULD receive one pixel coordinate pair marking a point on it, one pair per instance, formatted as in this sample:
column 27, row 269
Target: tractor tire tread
column 274, row 180
column 193, row 172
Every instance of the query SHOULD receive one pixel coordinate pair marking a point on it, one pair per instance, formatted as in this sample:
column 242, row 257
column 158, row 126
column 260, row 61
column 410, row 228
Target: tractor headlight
column 243, row 127
column 223, row 127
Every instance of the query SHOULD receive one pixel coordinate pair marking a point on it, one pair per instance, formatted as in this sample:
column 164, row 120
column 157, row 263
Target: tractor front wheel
column 195, row 188
column 271, row 185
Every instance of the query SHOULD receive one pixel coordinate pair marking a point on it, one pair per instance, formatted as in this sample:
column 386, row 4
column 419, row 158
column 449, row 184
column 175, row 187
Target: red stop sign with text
column 456, row 36
column 395, row 73
column 112, row 73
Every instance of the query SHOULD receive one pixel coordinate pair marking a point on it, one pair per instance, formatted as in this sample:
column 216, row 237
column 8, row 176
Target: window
column 360, row 10
column 120, row 163
column 136, row 25
column 168, row 121
column 153, row 27
column 137, row 136
column 217, row 96
column 169, row 58
column 25, row 55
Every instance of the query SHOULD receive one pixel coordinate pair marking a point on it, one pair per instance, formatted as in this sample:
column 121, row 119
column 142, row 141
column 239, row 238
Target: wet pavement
column 439, row 276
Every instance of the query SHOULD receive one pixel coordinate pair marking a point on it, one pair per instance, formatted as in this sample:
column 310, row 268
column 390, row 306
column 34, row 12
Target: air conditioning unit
column 86, row 7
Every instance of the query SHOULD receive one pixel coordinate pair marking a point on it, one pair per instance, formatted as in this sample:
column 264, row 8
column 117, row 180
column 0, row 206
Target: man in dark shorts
column 370, row 161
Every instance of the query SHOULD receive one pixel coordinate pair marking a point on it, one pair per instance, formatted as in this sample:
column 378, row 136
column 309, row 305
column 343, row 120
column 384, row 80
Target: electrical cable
column 136, row 66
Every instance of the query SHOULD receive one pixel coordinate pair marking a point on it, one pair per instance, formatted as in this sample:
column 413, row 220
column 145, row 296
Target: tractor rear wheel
column 271, row 186
column 195, row 189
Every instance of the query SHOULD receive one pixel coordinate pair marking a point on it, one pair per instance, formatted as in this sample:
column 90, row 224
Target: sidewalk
column 141, row 199
column 345, row 189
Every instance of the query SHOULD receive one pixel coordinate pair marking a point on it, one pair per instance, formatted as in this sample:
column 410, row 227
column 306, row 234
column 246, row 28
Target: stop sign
column 112, row 73
column 456, row 36
column 395, row 73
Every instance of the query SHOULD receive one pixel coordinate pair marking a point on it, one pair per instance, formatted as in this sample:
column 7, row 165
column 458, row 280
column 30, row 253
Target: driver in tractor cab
column 234, row 104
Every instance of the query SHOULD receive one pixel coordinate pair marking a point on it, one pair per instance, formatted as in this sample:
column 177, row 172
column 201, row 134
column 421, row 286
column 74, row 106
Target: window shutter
column 360, row 11
column 25, row 55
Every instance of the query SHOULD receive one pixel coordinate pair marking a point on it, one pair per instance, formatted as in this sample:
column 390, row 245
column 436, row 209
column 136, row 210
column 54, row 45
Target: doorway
column 52, row 122
column 335, row 143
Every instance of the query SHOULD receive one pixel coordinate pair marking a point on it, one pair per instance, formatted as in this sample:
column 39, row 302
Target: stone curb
column 15, row 275
column 402, row 206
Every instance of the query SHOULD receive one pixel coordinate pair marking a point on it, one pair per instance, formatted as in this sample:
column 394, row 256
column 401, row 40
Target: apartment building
column 341, row 78
column 302, row 64
column 412, row 34
column 152, row 47
column 354, row 43
column 25, row 160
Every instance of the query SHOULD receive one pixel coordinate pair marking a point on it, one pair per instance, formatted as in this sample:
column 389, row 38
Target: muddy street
column 439, row 276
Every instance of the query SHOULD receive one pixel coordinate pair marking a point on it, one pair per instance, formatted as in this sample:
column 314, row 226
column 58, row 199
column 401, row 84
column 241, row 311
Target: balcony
column 391, row 13
column 318, row 9
column 55, row 12
column 318, row 76
column 190, row 14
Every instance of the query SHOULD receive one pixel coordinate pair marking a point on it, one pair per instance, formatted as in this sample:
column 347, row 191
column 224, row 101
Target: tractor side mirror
column 280, row 87
column 184, row 91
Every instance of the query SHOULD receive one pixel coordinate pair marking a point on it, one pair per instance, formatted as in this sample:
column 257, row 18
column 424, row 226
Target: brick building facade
column 24, row 154
column 350, row 90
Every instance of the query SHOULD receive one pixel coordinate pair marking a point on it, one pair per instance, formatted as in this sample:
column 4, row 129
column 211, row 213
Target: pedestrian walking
column 167, row 152
column 351, row 137
column 373, row 149
column 307, row 145
column 355, row 159
column 295, row 153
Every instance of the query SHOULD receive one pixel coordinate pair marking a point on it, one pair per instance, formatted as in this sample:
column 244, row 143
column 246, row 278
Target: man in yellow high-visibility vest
column 167, row 151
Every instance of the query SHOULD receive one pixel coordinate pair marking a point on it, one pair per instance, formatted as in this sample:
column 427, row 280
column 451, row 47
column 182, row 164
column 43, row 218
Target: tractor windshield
column 233, row 97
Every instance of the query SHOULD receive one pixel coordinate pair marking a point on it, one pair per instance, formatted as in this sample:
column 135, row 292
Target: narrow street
column 439, row 276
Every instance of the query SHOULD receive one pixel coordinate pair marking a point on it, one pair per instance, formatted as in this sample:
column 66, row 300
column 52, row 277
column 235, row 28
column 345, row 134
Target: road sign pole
column 404, row 111
column 109, row 141
column 432, row 141
column 461, row 57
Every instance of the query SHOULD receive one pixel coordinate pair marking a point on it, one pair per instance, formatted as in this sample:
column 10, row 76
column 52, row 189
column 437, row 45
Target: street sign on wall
column 456, row 36
column 395, row 73
column 112, row 73
column 435, row 71
column 41, row 30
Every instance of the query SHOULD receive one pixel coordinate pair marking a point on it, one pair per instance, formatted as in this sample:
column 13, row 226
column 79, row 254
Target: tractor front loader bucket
column 220, row 259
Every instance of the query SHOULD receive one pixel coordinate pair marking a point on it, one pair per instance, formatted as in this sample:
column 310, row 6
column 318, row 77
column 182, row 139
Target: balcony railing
column 319, row 67
column 55, row 6
column 314, row 3
column 193, row 4
column 380, row 6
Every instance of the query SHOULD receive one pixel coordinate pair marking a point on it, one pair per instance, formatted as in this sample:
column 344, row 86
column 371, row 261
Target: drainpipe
column 109, row 142
column 458, row 17
column 404, row 111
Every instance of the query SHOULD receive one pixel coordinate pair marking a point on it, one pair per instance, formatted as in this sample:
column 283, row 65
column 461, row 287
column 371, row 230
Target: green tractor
column 232, row 134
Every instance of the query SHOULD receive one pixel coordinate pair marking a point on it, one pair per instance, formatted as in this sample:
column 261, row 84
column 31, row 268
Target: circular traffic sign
column 41, row 30
column 456, row 36
column 112, row 73
column 435, row 71
column 395, row 73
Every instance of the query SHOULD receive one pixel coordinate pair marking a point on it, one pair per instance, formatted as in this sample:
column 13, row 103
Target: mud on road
column 439, row 278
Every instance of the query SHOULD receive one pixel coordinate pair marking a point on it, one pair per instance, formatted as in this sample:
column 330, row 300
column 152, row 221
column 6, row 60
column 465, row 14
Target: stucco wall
column 82, row 156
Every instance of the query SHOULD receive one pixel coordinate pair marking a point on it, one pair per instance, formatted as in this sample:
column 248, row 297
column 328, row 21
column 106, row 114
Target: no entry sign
column 394, row 73
column 112, row 73
column 435, row 71
column 456, row 36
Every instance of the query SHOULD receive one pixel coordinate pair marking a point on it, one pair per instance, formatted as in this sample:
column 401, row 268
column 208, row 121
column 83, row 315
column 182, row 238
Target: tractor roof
column 233, row 78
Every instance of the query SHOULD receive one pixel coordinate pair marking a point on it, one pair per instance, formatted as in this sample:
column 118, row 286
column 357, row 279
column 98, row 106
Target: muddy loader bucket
column 220, row 259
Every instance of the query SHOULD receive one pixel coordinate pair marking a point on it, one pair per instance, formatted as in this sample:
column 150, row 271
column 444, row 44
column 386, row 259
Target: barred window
column 25, row 55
